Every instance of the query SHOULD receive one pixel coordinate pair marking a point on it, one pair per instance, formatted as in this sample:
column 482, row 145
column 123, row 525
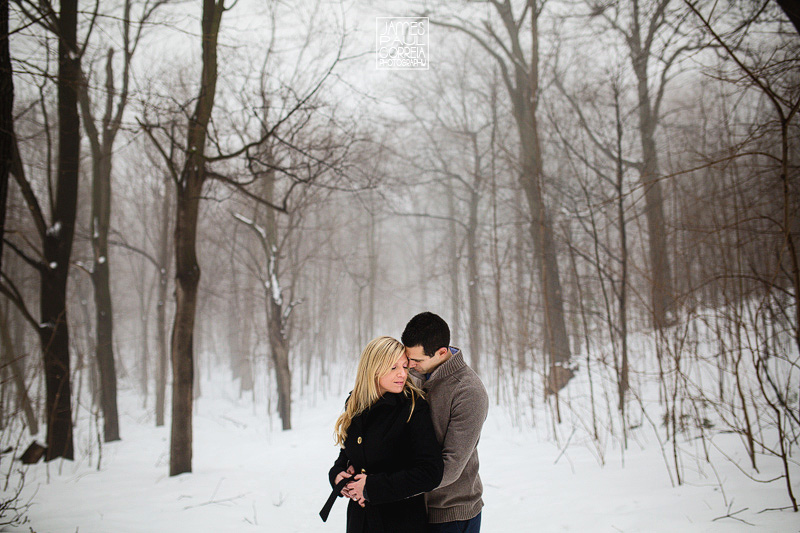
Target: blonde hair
column 376, row 361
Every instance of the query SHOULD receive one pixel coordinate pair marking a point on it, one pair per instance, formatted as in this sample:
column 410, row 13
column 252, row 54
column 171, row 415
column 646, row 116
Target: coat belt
column 371, row 518
column 337, row 490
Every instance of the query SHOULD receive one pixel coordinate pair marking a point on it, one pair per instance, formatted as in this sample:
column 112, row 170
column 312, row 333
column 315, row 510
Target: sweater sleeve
column 467, row 415
column 425, row 470
column 340, row 465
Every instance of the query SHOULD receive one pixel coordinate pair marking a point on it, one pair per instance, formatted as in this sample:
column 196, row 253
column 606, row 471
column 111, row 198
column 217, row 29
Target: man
column 459, row 404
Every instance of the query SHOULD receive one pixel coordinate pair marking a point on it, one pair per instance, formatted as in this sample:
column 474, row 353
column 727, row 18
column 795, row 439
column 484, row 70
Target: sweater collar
column 449, row 367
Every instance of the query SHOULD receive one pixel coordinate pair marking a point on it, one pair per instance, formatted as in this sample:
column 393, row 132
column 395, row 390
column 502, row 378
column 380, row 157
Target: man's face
column 418, row 360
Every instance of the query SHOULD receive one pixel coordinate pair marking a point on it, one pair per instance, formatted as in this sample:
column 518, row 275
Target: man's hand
column 438, row 358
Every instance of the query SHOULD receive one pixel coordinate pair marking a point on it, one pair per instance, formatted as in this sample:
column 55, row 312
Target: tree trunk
column 277, row 325
column 187, row 279
column 455, row 260
column 161, row 306
column 54, row 329
column 792, row 10
column 372, row 277
column 523, row 87
column 660, row 269
column 473, row 283
column 279, row 348
column 522, row 303
column 623, row 251
column 145, row 294
column 187, row 271
column 6, row 119
column 662, row 298
column 102, row 146
column 104, row 346
column 246, row 357
column 555, row 330
column 234, row 315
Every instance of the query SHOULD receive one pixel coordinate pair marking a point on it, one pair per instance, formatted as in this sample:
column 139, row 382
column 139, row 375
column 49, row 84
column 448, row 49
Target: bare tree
column 102, row 136
column 190, row 183
column 458, row 125
column 773, row 79
column 521, row 77
column 6, row 119
column 56, row 240
column 289, row 166
column 656, row 42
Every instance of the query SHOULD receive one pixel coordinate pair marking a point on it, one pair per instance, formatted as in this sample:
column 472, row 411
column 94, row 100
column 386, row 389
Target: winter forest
column 210, row 207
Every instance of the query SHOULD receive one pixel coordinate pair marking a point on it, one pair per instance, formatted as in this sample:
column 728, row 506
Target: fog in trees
column 601, row 198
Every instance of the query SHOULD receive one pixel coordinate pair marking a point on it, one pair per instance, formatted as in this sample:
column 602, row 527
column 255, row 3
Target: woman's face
column 395, row 379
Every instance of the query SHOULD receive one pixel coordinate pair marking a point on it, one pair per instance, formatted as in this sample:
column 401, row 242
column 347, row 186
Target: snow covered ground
column 249, row 477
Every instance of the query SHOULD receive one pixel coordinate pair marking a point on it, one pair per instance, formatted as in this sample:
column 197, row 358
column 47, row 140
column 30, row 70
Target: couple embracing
column 409, row 436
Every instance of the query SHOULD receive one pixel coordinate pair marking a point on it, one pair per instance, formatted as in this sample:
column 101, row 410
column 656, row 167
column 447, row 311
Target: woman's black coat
column 402, row 459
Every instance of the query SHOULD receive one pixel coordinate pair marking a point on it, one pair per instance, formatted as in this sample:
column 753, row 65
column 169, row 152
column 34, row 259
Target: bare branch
column 10, row 291
column 143, row 253
column 750, row 74
column 167, row 159
column 18, row 171
column 38, row 265
column 271, row 131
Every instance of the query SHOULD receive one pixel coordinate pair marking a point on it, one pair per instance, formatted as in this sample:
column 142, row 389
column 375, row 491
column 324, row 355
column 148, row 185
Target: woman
column 389, row 449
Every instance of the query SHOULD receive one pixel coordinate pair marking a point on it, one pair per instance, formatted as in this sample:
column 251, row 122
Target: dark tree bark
column 792, row 10
column 6, row 119
column 279, row 348
column 102, row 145
column 53, row 267
column 187, row 271
column 54, row 329
column 622, row 294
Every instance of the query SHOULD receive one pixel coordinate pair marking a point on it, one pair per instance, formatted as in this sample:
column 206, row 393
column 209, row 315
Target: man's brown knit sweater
column 459, row 405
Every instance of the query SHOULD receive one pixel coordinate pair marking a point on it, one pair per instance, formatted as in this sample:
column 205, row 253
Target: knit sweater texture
column 459, row 405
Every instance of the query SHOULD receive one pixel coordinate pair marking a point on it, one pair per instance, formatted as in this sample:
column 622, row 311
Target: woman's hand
column 340, row 476
column 343, row 474
column 357, row 489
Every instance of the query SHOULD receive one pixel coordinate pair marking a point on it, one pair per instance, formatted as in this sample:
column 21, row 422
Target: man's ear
column 441, row 352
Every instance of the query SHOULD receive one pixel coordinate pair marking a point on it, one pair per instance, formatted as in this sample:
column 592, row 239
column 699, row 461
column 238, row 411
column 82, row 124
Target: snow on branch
column 258, row 229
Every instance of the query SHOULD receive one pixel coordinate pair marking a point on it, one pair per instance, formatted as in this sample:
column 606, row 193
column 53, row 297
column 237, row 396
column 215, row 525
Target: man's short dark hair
column 427, row 330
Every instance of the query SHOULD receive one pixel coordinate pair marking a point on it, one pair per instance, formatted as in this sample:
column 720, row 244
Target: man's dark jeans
column 462, row 526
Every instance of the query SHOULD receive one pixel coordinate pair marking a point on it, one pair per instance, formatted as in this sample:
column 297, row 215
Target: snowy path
column 249, row 478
